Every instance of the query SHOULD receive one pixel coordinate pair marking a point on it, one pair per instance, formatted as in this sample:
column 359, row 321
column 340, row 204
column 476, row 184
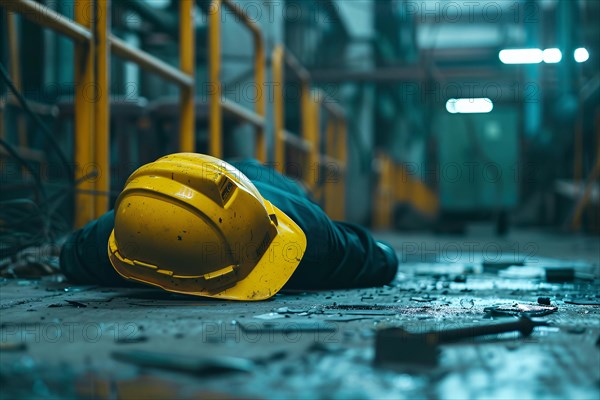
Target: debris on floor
column 544, row 301
column 532, row 310
column 396, row 345
column 61, row 340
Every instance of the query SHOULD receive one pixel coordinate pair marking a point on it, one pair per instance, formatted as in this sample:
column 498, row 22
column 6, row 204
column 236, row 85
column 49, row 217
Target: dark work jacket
column 338, row 254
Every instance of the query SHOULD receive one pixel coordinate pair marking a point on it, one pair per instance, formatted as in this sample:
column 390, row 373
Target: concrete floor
column 60, row 340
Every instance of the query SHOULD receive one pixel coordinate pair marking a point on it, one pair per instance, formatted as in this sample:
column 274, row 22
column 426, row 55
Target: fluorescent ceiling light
column 469, row 106
column 581, row 55
column 552, row 56
column 521, row 56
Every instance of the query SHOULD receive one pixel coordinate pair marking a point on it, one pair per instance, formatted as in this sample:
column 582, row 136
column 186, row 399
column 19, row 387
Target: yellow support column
column 315, row 134
column 187, row 134
column 214, row 80
column 102, row 106
column 84, row 116
column 308, row 124
column 278, row 108
column 383, row 203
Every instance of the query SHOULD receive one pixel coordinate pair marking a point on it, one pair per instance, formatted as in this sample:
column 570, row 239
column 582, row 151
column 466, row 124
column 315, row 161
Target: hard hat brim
column 268, row 276
column 275, row 267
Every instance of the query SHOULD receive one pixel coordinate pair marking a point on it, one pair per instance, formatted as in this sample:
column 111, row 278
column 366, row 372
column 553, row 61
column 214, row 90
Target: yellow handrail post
column 187, row 133
column 215, row 99
column 280, row 59
column 84, row 116
column 315, row 133
column 101, row 135
column 278, row 108
column 307, row 126
column 214, row 79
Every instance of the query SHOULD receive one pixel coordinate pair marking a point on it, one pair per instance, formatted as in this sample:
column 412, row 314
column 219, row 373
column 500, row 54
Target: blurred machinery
column 478, row 157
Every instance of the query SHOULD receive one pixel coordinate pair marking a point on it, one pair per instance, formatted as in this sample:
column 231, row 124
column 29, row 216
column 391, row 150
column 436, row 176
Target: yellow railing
column 395, row 185
column 93, row 45
column 90, row 30
column 217, row 103
column 333, row 162
column 280, row 59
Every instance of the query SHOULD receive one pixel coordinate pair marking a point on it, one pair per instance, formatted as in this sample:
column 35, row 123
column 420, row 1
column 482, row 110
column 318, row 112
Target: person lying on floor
column 194, row 224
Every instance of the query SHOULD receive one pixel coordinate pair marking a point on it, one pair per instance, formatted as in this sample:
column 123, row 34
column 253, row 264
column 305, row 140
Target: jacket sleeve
column 84, row 256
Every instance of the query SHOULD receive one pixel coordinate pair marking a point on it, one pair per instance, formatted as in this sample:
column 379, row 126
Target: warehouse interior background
column 434, row 123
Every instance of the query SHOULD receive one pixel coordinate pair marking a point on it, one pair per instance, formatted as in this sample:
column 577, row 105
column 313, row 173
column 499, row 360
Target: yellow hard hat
column 191, row 223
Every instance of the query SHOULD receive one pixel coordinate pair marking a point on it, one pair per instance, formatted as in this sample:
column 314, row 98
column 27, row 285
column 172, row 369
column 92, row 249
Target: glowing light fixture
column 469, row 106
column 521, row 56
column 581, row 55
column 552, row 56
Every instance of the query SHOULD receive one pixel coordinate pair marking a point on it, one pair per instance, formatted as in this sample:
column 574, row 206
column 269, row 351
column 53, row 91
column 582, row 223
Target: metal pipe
column 84, row 115
column 37, row 107
column 297, row 142
column 101, row 145
column 150, row 63
column 409, row 73
column 187, row 132
column 46, row 17
column 243, row 113
column 26, row 153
